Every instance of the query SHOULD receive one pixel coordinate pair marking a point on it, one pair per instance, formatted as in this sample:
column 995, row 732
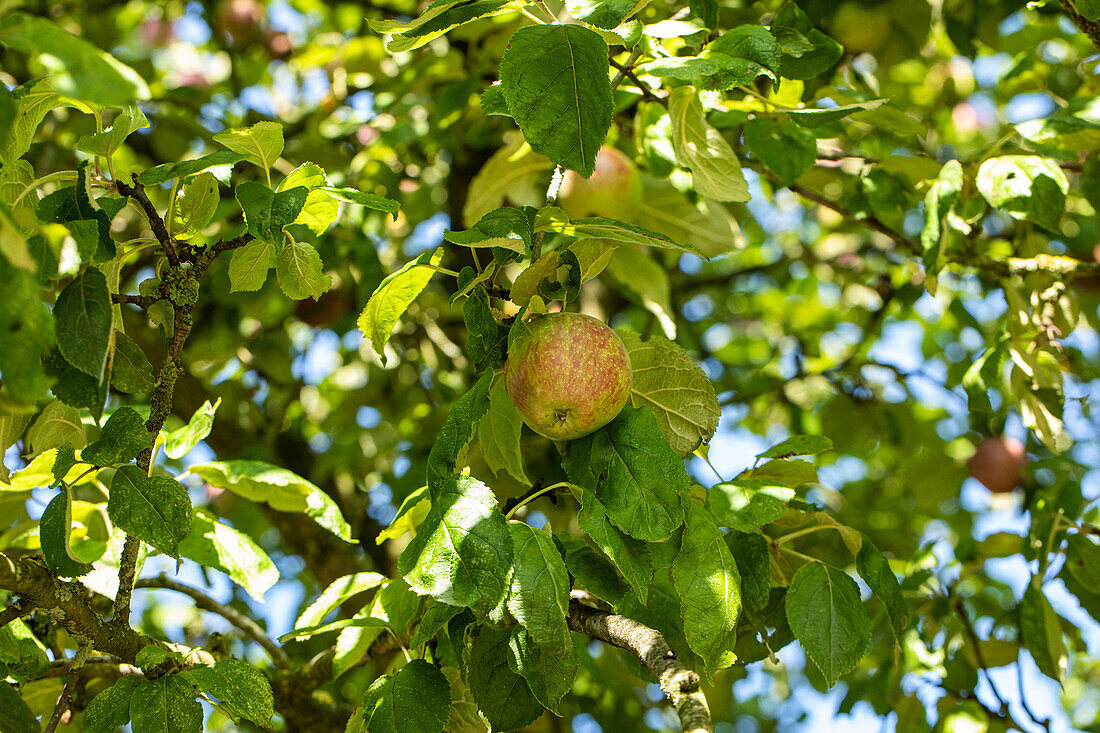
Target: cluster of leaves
column 715, row 104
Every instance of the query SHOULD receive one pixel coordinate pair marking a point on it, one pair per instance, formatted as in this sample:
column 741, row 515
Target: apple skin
column 614, row 189
column 241, row 19
column 572, row 376
column 998, row 463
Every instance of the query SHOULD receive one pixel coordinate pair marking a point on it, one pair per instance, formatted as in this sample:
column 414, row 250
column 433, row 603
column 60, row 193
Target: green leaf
column 808, row 63
column 798, row 445
column 107, row 142
column 267, row 212
column 110, row 709
column 131, row 371
column 261, row 144
column 941, row 197
column 555, row 81
column 785, row 148
column 701, row 149
column 1025, row 186
column 1041, row 634
column 83, row 320
column 169, row 171
column 634, row 473
column 151, row 655
column 299, row 269
column 456, row 432
column 875, row 570
column 219, row 546
column 463, row 716
column 612, row 230
column 498, row 433
column 492, row 101
column 241, row 687
column 592, row 569
column 193, row 207
column 65, row 459
column 539, row 596
column 513, row 176
column 410, row 515
column 548, row 670
column 828, row 619
column 486, row 342
column 179, row 443
column 26, row 331
column 436, row 618
column 72, row 386
column 57, row 423
column 122, row 438
column 54, row 529
column 336, row 593
column 32, row 661
column 671, row 384
column 155, row 509
column 415, row 700
column 15, row 716
column 249, row 266
column 33, row 100
column 748, row 504
column 283, row 490
column 815, row 117
column 707, row 580
column 370, row 200
column 393, row 296
column 165, row 705
column 734, row 59
column 645, row 282
column 441, row 16
column 753, row 558
column 503, row 696
column 507, row 227
column 394, row 607
column 631, row 556
column 77, row 68
column 1083, row 560
column 606, row 14
column 462, row 554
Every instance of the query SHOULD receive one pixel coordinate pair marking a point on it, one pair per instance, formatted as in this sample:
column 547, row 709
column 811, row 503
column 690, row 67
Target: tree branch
column 16, row 610
column 1089, row 27
column 679, row 683
column 141, row 301
column 156, row 223
column 230, row 614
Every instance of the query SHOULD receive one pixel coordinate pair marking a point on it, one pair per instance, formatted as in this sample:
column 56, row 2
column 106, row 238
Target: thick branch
column 1089, row 27
column 230, row 614
column 679, row 683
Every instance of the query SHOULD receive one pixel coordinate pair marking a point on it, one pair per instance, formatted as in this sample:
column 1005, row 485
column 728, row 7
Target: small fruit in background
column 241, row 19
column 614, row 190
column 998, row 463
column 570, row 377
column 279, row 45
column 156, row 32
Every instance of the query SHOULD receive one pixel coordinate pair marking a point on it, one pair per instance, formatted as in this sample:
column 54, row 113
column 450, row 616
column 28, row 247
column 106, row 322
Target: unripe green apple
column 570, row 377
column 999, row 464
column 614, row 189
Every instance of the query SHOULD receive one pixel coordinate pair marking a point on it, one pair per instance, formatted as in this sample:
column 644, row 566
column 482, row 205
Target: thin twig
column 230, row 614
column 156, row 222
column 141, row 301
column 70, row 684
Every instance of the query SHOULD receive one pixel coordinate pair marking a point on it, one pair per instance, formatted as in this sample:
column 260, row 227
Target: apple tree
column 289, row 309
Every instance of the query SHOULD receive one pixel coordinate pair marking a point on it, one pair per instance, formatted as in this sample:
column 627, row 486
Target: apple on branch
column 614, row 190
column 569, row 377
column 998, row 463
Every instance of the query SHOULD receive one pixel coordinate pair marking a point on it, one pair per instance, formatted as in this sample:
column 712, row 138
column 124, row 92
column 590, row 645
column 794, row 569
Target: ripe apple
column 279, row 46
column 614, row 189
column 998, row 463
column 570, row 377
